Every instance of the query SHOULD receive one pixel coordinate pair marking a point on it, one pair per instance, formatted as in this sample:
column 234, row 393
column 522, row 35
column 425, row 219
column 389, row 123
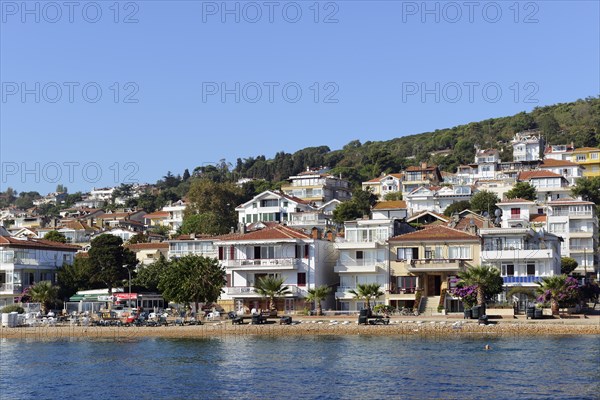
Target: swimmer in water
column 487, row 347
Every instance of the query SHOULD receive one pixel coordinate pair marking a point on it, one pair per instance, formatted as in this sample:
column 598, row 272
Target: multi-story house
column 303, row 261
column 147, row 253
column 422, row 175
column 317, row 187
column 156, row 219
column 589, row 158
column 427, row 260
column 395, row 209
column 436, row 199
column 558, row 151
column 570, row 170
column 526, row 146
column 51, row 198
column 549, row 185
column 319, row 217
column 201, row 245
column 270, row 206
column 175, row 219
column 390, row 183
column 363, row 258
column 577, row 223
column 26, row 261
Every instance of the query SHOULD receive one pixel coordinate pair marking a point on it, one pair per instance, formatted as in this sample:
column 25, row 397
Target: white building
column 570, row 170
column 317, row 187
column 303, row 261
column 175, row 219
column 549, row 185
column 576, row 222
column 270, row 206
column 26, row 261
column 436, row 199
column 526, row 146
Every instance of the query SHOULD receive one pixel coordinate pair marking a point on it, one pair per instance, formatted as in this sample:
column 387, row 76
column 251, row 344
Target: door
column 434, row 283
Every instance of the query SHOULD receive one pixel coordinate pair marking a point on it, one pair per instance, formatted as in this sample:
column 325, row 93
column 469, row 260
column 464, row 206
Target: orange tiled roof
column 277, row 232
column 551, row 162
column 157, row 214
column 419, row 168
column 566, row 202
column 527, row 175
column 37, row 244
column 148, row 246
column 389, row 205
column 537, row 218
column 586, row 149
column 435, row 233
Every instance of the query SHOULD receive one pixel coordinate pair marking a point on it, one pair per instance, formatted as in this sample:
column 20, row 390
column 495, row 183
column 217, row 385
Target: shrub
column 12, row 308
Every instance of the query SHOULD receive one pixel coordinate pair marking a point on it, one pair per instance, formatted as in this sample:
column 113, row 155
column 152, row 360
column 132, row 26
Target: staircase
column 429, row 305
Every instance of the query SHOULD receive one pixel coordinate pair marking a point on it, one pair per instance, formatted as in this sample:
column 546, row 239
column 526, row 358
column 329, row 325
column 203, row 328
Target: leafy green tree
column 367, row 291
column 192, row 279
column 55, row 236
column 588, row 189
column 484, row 201
column 186, row 174
column 317, row 295
column 358, row 206
column 486, row 278
column 60, row 188
column 206, row 196
column 139, row 238
column 457, row 207
column 44, row 292
column 522, row 190
column 567, row 265
column 162, row 230
column 204, row 223
column 392, row 196
column 148, row 276
column 72, row 278
column 107, row 256
column 271, row 287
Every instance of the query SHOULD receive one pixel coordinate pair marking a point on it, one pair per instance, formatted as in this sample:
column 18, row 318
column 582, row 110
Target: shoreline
column 312, row 327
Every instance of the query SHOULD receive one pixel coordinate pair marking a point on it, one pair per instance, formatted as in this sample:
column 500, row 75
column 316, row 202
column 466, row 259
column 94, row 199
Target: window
column 515, row 212
column 406, row 282
column 530, row 269
column 581, row 157
column 301, row 278
column 459, row 252
column 269, row 203
column 228, row 280
column 595, row 156
column 407, row 253
column 359, row 255
column 508, row 269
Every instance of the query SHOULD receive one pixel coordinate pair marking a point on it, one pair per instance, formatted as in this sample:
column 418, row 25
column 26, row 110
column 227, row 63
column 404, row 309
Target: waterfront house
column 303, row 261
column 426, row 261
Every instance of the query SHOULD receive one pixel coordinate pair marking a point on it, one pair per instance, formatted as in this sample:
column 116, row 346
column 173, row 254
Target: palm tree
column 317, row 295
column 367, row 291
column 553, row 288
column 45, row 293
column 486, row 278
column 271, row 287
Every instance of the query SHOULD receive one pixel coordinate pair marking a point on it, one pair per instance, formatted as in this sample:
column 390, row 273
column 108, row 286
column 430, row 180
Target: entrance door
column 434, row 283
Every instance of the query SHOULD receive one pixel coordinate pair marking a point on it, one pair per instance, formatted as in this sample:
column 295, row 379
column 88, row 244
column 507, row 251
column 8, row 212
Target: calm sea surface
column 299, row 367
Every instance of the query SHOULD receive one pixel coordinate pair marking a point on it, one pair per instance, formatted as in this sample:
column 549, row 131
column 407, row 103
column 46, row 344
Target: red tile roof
column 435, row 233
column 157, row 214
column 37, row 244
column 551, row 162
column 277, row 232
column 390, row 205
column 537, row 218
column 527, row 175
column 567, row 202
column 148, row 246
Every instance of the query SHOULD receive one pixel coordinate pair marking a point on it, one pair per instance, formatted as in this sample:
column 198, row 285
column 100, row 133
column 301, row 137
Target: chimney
column 192, row 236
column 315, row 233
column 423, row 165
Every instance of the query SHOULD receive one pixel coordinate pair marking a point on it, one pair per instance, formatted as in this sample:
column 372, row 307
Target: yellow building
column 422, row 264
column 589, row 158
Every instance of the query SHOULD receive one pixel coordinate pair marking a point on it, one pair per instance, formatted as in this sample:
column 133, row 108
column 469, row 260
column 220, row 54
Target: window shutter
column 220, row 252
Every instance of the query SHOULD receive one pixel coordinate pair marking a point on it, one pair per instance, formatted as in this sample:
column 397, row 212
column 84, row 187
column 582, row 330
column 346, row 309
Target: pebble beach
column 426, row 327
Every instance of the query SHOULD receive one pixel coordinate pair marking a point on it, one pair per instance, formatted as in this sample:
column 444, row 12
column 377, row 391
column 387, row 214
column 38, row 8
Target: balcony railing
column 251, row 291
column 521, row 279
column 181, row 253
column 407, row 290
column 272, row 263
column 436, row 263
column 11, row 288
column 567, row 213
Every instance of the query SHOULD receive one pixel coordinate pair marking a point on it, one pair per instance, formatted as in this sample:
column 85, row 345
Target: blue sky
column 185, row 83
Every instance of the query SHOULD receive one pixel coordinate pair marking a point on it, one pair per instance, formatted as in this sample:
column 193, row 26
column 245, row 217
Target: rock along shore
column 424, row 328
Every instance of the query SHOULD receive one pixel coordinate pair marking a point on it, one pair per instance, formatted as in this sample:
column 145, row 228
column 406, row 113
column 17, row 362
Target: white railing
column 251, row 290
column 11, row 288
column 567, row 213
column 271, row 262
column 181, row 253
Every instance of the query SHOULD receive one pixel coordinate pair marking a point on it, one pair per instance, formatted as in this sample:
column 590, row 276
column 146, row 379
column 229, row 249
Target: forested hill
column 577, row 122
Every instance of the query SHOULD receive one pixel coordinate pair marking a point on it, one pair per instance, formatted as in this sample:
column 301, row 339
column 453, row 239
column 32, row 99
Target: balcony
column 517, row 280
column 402, row 294
column 31, row 261
column 250, row 291
column 508, row 253
column 11, row 288
column 435, row 264
column 574, row 213
column 358, row 266
column 270, row 264
column 181, row 253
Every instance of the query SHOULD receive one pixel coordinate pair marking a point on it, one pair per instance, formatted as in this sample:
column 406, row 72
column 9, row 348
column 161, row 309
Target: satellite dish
column 498, row 220
column 498, row 212
column 485, row 214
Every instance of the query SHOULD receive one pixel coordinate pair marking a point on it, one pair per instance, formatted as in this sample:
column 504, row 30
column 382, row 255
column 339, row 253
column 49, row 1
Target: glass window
column 530, row 269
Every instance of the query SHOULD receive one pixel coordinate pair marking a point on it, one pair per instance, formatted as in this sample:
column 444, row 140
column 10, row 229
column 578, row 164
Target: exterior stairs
column 429, row 305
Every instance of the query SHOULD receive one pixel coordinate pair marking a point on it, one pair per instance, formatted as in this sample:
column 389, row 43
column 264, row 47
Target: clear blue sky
column 373, row 57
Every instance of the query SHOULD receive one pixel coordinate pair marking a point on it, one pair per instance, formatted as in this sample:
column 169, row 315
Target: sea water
column 303, row 367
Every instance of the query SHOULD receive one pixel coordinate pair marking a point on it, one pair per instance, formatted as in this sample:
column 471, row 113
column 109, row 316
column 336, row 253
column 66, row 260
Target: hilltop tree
column 522, row 190
column 206, row 196
column 359, row 205
column 457, row 207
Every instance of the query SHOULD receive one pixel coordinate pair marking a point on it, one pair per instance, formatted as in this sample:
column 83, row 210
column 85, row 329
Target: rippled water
column 336, row 367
